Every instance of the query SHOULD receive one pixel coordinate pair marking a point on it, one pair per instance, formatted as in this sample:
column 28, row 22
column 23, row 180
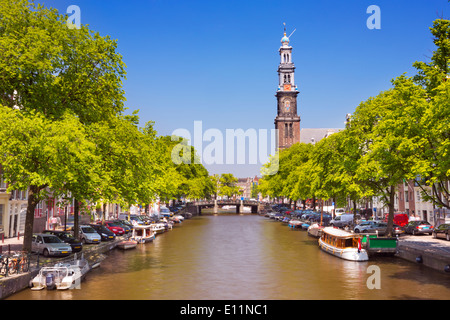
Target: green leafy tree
column 48, row 67
column 41, row 155
column 433, row 167
column 228, row 185
column 386, row 130
column 53, row 73
column 184, row 168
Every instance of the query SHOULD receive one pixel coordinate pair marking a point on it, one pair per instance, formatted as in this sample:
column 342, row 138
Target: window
column 2, row 183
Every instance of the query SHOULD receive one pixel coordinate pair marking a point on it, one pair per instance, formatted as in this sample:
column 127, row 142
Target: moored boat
column 315, row 230
column 286, row 220
column 127, row 244
column 177, row 218
column 142, row 233
column 295, row 223
column 62, row 276
column 158, row 227
column 379, row 245
column 342, row 244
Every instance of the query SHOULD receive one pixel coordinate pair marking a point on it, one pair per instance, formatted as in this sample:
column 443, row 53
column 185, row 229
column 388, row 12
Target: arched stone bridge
column 197, row 206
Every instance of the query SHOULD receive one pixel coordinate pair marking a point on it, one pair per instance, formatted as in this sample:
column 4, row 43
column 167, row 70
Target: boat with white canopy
column 342, row 244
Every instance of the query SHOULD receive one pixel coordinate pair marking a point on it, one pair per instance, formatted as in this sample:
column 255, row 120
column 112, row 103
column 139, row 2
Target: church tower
column 287, row 120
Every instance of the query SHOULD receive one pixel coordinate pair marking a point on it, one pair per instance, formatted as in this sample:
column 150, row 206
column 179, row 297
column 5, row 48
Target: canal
column 244, row 257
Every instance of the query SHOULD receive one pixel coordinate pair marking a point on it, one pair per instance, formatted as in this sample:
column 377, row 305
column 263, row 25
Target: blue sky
column 216, row 61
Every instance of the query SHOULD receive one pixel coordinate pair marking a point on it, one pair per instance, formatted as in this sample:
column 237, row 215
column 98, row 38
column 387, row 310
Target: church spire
column 287, row 121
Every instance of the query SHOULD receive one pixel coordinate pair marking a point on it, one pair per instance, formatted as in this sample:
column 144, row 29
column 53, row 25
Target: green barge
column 379, row 245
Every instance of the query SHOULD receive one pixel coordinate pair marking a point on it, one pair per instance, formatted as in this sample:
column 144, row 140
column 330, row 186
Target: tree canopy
column 401, row 134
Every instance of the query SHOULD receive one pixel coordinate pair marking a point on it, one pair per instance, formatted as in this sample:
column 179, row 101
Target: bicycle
column 18, row 263
column 3, row 265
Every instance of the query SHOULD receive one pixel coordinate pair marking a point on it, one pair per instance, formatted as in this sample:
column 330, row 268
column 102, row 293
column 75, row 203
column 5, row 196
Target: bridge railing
column 225, row 202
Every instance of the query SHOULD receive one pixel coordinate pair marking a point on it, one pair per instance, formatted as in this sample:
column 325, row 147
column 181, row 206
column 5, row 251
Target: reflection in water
column 244, row 257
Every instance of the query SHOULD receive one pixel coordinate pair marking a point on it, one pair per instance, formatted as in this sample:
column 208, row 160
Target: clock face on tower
column 287, row 87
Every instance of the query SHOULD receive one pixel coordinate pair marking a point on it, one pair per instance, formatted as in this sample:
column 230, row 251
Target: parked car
column 104, row 232
column 306, row 214
column 443, row 231
column 344, row 220
column 324, row 217
column 373, row 226
column 89, row 235
column 138, row 220
column 125, row 224
column 66, row 237
column 365, row 226
column 115, row 227
column 49, row 245
column 398, row 229
column 419, row 227
column 297, row 213
column 163, row 211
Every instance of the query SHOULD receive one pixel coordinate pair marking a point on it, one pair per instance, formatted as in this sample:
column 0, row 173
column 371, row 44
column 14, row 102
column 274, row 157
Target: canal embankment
column 14, row 283
column 426, row 251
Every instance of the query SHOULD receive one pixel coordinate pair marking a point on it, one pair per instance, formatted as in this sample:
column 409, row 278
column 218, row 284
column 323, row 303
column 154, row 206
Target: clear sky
column 216, row 61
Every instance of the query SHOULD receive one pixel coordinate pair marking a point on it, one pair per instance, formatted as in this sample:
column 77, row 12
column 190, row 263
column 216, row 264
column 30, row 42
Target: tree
column 431, row 75
column 43, row 155
column 297, row 165
column 386, row 130
column 53, row 73
column 433, row 167
column 48, row 67
column 183, row 168
column 228, row 185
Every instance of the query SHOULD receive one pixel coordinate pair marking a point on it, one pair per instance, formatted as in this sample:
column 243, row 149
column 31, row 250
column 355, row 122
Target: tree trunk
column 76, row 220
column 33, row 200
column 390, row 223
column 104, row 213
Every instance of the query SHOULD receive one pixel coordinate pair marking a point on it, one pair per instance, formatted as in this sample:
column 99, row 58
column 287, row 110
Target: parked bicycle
column 4, row 262
column 14, row 263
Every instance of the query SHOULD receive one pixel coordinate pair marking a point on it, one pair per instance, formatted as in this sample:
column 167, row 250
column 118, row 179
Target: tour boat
column 61, row 276
column 342, row 244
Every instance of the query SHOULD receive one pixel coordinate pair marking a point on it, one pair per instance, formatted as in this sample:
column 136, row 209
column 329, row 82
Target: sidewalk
column 14, row 244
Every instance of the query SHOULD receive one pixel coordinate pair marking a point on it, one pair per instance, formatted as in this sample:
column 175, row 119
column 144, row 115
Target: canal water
column 244, row 257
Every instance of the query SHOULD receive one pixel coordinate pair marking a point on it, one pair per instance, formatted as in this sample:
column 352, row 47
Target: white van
column 344, row 220
column 339, row 211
